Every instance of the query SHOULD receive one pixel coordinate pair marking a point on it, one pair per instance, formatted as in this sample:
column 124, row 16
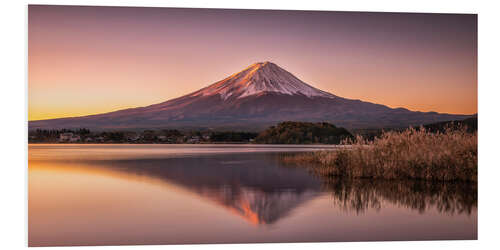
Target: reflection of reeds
column 411, row 154
column 359, row 195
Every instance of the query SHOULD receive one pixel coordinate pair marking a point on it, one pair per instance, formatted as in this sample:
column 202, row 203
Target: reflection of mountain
column 258, row 207
column 252, row 186
column 257, row 188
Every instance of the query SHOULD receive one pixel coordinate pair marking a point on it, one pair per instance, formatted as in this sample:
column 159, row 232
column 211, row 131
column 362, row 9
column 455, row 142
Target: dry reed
column 411, row 154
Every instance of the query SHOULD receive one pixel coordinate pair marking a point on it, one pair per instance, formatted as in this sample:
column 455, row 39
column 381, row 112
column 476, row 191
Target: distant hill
column 261, row 95
column 470, row 123
column 303, row 133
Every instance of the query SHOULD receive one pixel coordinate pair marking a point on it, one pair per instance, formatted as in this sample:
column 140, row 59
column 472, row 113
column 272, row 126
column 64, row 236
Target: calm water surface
column 169, row 194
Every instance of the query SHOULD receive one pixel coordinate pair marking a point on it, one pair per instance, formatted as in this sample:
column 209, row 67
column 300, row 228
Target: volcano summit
column 261, row 95
column 258, row 79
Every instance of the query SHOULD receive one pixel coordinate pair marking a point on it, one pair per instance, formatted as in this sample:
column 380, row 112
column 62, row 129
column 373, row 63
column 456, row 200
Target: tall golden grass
column 411, row 154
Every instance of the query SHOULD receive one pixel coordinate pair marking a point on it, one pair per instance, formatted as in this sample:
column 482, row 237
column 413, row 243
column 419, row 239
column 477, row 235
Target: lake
column 177, row 194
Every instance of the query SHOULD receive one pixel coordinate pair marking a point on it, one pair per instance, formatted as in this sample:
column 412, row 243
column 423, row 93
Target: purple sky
column 87, row 60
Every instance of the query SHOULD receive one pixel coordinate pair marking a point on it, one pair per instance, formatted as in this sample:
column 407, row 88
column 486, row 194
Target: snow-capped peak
column 259, row 78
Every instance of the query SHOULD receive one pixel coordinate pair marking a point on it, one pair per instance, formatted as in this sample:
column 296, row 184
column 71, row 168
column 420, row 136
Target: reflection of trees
column 253, row 186
column 264, row 191
column 358, row 195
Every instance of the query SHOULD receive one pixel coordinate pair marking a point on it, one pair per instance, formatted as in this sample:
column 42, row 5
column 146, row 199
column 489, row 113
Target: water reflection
column 260, row 190
column 251, row 186
column 361, row 195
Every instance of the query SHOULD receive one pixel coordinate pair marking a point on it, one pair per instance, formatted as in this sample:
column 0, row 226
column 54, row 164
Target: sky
column 87, row 60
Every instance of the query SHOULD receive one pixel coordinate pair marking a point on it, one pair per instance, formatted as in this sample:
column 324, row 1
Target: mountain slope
column 260, row 78
column 261, row 95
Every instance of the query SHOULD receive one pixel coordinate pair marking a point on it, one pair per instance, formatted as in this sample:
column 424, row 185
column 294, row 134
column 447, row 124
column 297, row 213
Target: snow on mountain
column 259, row 78
column 253, row 99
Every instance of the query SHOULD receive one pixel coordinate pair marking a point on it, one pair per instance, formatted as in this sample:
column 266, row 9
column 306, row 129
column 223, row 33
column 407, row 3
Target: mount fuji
column 261, row 95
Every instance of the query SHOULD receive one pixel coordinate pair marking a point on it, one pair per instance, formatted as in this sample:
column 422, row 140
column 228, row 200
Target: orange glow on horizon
column 92, row 60
column 241, row 208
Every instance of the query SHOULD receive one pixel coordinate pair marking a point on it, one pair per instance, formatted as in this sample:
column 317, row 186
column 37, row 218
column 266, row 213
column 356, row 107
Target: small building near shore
column 69, row 137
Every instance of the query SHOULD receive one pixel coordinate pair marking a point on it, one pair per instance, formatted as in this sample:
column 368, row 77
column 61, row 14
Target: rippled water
column 167, row 194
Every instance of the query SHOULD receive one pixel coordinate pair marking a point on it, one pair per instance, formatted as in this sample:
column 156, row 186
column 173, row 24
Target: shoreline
column 411, row 154
column 218, row 143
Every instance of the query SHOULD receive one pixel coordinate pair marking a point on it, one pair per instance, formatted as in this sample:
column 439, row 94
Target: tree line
column 303, row 133
column 283, row 133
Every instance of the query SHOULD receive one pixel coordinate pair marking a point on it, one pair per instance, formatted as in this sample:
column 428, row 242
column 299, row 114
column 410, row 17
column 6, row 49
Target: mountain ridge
column 260, row 95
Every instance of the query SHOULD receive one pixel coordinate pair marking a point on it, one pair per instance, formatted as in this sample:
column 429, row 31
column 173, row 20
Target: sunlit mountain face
column 258, row 79
column 261, row 95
